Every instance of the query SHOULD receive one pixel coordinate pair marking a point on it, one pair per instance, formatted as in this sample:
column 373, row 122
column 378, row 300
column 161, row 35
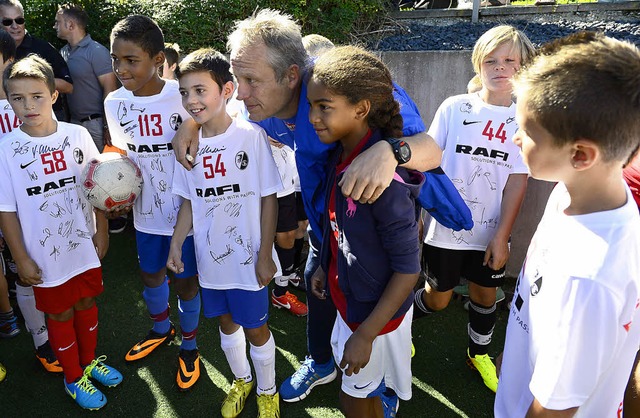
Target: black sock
column 298, row 244
column 286, row 255
column 482, row 320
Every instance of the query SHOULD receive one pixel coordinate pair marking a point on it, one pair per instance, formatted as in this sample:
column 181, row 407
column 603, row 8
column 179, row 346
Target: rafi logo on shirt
column 149, row 148
column 78, row 155
column 482, row 151
column 242, row 160
column 51, row 185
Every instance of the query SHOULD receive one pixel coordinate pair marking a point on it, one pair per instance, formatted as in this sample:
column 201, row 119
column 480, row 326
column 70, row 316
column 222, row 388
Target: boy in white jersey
column 474, row 130
column 143, row 115
column 573, row 334
column 230, row 200
column 54, row 236
column 34, row 319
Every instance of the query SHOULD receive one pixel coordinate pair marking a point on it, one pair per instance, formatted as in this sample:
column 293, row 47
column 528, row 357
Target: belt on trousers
column 91, row 117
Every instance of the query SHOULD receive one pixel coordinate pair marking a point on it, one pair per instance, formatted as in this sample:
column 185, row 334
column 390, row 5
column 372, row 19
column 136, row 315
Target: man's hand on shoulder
column 369, row 174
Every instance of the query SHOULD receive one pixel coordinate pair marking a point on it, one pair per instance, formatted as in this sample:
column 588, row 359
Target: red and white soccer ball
column 111, row 180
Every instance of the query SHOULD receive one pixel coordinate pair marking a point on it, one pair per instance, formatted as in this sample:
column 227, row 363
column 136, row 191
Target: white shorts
column 390, row 360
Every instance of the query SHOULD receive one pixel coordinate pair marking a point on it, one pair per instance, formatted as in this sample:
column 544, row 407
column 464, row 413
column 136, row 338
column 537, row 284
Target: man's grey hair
column 12, row 3
column 278, row 32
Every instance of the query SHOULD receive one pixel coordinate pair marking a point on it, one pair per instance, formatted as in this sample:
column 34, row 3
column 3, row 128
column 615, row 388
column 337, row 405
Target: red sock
column 86, row 326
column 62, row 337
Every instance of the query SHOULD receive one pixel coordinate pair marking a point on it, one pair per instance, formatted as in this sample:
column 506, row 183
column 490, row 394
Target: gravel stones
column 463, row 35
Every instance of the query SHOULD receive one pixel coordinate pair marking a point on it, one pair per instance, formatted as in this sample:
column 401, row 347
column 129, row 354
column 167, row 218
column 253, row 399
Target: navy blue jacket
column 375, row 240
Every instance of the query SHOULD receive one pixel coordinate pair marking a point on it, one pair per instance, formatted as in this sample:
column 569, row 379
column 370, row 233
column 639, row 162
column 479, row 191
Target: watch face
column 405, row 154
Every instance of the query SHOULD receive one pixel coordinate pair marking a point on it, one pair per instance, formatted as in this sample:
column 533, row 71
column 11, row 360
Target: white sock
column 235, row 350
column 33, row 318
column 264, row 362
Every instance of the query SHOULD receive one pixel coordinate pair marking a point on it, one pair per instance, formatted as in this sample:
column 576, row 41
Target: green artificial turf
column 443, row 385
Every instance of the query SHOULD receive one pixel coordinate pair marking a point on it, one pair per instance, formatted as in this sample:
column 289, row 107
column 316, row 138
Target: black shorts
column 445, row 267
column 287, row 219
column 302, row 215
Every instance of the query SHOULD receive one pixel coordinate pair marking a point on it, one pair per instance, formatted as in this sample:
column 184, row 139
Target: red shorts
column 55, row 300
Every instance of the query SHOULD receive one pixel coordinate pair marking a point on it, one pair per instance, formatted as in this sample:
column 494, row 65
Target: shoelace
column 293, row 300
column 298, row 376
column 98, row 365
column 236, row 390
column 85, row 385
column 268, row 406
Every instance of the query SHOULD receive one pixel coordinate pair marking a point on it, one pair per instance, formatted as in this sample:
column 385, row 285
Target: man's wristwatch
column 401, row 150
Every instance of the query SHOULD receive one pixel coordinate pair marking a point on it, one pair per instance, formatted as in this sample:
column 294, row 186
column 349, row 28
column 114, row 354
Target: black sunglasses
column 9, row 22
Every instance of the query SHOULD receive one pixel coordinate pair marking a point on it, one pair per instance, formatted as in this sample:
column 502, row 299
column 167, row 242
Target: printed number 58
column 53, row 161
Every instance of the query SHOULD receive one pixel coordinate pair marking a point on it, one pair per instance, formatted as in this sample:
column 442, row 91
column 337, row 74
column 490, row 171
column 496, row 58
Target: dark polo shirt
column 33, row 45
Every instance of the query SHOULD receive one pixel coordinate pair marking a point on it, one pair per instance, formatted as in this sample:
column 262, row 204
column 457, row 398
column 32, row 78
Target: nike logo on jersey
column 467, row 122
column 93, row 328
column 67, row 347
column 23, row 166
column 123, row 124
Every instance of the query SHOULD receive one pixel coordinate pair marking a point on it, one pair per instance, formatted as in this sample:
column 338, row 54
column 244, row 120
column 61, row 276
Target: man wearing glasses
column 12, row 20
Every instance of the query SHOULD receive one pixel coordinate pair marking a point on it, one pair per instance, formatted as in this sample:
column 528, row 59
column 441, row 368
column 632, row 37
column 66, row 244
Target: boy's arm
column 28, row 270
column 497, row 252
column 372, row 171
column 101, row 237
column 538, row 411
column 184, row 223
column 357, row 349
column 265, row 267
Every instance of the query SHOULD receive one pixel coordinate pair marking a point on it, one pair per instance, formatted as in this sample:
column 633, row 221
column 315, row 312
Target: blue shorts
column 248, row 308
column 153, row 251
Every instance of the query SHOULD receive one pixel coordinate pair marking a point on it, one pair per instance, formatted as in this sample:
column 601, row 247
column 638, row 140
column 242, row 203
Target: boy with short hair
column 572, row 334
column 33, row 318
column 143, row 115
column 230, row 198
column 54, row 237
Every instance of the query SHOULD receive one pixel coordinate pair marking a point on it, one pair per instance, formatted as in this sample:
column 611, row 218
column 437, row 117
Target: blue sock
column 189, row 311
column 157, row 300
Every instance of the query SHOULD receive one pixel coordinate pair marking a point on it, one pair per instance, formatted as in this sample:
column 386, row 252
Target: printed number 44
column 501, row 134
column 210, row 169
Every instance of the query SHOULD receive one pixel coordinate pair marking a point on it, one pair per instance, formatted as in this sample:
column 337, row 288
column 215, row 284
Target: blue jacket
column 312, row 155
column 375, row 240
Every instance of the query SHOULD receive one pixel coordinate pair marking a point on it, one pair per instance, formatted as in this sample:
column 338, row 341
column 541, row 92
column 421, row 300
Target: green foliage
column 194, row 24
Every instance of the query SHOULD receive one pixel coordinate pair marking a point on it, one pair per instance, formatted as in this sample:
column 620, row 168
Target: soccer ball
column 111, row 180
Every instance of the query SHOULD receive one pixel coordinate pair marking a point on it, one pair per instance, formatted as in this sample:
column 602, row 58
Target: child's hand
column 356, row 354
column 174, row 262
column 318, row 284
column 29, row 272
column 118, row 211
column 101, row 242
column 265, row 270
column 497, row 253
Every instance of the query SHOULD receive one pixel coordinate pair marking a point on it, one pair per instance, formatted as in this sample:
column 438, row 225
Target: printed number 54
column 211, row 169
